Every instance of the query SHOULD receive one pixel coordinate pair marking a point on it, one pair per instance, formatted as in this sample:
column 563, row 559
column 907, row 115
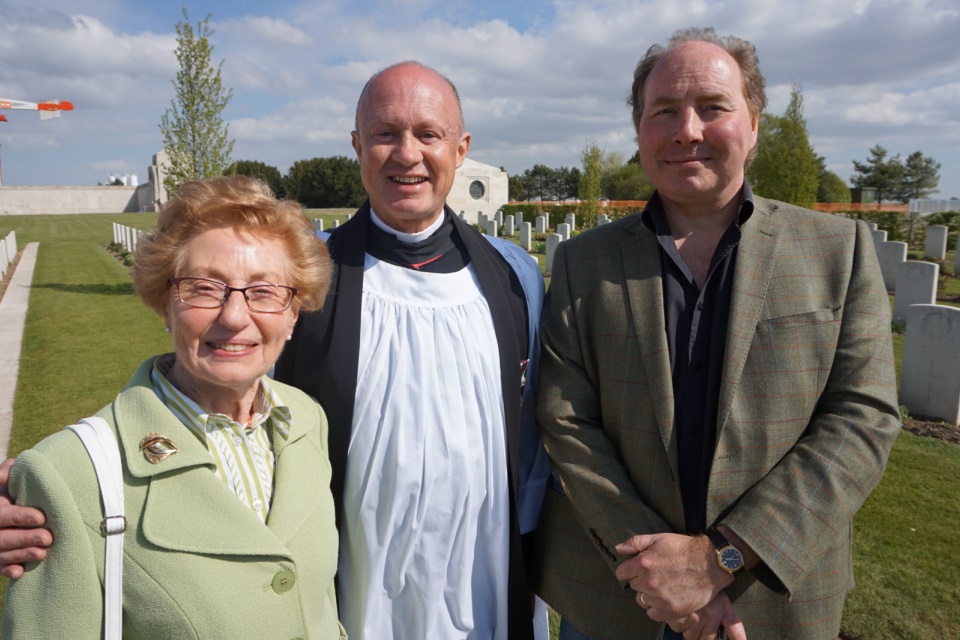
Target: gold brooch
column 157, row 448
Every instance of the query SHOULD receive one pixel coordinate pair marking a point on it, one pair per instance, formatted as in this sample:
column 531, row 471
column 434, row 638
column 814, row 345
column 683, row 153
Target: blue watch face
column 731, row 559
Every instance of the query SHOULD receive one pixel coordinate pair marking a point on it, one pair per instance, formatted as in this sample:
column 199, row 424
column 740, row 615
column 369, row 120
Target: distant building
column 863, row 195
column 477, row 188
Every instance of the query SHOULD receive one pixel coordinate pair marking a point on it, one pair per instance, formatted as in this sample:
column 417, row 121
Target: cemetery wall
column 79, row 199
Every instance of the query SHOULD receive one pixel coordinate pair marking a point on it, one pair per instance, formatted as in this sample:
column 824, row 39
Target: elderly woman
column 230, row 519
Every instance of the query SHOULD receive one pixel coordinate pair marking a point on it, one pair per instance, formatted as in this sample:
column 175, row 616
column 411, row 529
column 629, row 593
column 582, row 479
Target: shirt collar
column 655, row 219
column 268, row 409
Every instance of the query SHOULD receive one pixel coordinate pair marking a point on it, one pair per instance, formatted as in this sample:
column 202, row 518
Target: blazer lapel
column 298, row 479
column 643, row 272
column 756, row 259
column 187, row 507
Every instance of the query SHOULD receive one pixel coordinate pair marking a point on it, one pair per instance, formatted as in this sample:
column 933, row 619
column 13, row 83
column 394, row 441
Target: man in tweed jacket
column 717, row 385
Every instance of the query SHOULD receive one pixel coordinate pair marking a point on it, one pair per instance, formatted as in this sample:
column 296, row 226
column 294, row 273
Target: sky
column 538, row 78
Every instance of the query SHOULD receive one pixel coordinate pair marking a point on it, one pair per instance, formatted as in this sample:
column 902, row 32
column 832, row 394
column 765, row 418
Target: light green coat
column 197, row 562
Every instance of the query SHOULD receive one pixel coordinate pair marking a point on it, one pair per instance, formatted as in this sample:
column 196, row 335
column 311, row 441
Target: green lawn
column 87, row 330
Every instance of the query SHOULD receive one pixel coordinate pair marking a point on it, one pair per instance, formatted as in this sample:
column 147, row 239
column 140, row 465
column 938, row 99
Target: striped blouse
column 243, row 454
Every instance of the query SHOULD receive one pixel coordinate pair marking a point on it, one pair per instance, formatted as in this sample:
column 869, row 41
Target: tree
column 921, row 176
column 257, row 169
column 321, row 183
column 539, row 182
column 785, row 167
column 883, row 175
column 589, row 188
column 566, row 183
column 627, row 182
column 516, row 188
column 194, row 134
column 830, row 186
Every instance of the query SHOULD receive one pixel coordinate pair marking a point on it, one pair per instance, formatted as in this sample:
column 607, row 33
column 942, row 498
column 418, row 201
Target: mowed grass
column 87, row 331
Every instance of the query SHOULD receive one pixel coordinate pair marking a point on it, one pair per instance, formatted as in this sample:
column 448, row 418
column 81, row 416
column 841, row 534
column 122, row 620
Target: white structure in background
column 129, row 196
column 478, row 187
column 926, row 207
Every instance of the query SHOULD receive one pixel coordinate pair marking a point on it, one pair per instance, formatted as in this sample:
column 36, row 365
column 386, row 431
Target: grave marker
column 936, row 244
column 930, row 377
column 916, row 284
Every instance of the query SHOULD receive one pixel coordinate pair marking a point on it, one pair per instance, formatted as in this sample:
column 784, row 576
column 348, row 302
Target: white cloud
column 537, row 79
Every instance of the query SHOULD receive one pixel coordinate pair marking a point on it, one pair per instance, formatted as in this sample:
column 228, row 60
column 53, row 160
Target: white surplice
column 425, row 537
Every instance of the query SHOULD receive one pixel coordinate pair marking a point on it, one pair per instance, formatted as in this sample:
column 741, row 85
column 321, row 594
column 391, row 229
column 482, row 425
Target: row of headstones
column 912, row 281
column 935, row 246
column 892, row 254
column 492, row 226
column 930, row 373
column 318, row 223
column 126, row 236
column 8, row 251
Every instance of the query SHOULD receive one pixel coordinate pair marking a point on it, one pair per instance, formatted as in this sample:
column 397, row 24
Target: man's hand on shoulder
column 677, row 575
column 21, row 538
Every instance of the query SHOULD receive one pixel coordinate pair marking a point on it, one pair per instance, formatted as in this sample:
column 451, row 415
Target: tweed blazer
column 197, row 562
column 807, row 415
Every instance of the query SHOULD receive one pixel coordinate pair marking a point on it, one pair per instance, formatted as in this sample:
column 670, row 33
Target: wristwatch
column 729, row 557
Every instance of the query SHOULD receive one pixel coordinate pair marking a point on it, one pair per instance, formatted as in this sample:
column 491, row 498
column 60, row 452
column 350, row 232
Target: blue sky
column 538, row 79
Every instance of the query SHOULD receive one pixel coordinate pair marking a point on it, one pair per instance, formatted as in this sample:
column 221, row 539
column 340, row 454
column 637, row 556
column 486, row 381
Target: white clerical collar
column 409, row 238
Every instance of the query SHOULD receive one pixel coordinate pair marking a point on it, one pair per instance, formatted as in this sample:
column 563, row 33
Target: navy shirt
column 696, row 322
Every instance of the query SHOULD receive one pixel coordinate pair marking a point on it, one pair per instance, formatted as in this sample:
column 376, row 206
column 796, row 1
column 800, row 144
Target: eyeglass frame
column 175, row 283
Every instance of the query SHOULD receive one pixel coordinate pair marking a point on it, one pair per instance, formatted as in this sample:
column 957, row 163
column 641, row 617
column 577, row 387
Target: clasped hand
column 681, row 584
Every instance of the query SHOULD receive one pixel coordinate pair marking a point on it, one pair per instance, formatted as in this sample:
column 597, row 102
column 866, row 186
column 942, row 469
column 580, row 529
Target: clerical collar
column 437, row 249
column 409, row 238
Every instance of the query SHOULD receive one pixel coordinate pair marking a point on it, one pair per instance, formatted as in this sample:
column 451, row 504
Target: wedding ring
column 644, row 603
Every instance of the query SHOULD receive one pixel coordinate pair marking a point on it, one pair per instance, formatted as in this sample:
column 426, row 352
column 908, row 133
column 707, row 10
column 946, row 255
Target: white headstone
column 318, row 224
column 518, row 218
column 482, row 220
column 602, row 219
column 956, row 260
column 498, row 216
column 916, row 284
column 930, row 377
column 492, row 227
column 936, row 245
column 564, row 230
column 336, row 223
column 525, row 240
column 4, row 258
column 346, row 218
column 546, row 219
column 878, row 237
column 508, row 227
column 12, row 243
column 572, row 221
column 872, row 226
column 891, row 255
column 553, row 239
column 541, row 224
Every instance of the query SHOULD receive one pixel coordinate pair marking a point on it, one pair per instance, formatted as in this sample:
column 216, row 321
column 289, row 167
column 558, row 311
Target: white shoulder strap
column 102, row 447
